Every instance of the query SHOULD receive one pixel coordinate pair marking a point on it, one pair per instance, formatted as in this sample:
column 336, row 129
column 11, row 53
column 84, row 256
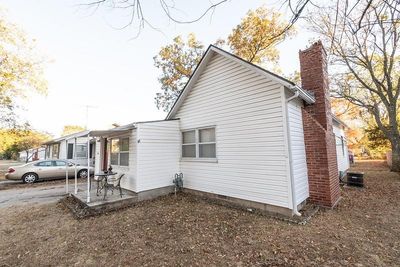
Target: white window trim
column 197, row 144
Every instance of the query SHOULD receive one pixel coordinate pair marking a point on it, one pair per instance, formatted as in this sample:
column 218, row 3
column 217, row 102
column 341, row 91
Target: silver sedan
column 45, row 170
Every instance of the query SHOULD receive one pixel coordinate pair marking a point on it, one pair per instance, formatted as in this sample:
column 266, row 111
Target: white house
column 72, row 147
column 342, row 150
column 238, row 133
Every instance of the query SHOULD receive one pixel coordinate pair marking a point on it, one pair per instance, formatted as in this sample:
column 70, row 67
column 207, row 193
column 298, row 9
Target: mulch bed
column 183, row 230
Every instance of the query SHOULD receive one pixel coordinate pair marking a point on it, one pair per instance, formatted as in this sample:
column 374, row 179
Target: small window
column 59, row 163
column 81, row 151
column 120, row 152
column 44, row 164
column 199, row 143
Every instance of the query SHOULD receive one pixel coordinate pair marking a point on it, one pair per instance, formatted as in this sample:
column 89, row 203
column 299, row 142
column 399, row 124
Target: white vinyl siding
column 298, row 150
column 342, row 152
column 246, row 109
column 158, row 154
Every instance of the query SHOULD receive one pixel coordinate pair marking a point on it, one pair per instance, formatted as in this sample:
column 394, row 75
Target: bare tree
column 138, row 16
column 364, row 52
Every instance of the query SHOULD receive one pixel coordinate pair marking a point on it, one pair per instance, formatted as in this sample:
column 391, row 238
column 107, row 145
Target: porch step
column 81, row 209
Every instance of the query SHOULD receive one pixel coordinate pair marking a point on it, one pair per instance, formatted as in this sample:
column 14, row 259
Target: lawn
column 363, row 230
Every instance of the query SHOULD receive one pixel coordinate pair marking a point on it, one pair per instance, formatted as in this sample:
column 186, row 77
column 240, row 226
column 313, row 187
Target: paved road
column 35, row 195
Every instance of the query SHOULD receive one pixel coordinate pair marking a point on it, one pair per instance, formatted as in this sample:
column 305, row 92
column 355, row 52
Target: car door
column 44, row 169
column 60, row 170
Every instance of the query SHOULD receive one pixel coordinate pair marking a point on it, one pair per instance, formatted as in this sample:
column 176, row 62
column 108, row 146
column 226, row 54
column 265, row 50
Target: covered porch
column 111, row 152
column 147, row 154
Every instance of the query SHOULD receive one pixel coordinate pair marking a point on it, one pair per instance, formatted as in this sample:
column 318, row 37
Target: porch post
column 66, row 166
column 76, row 173
column 88, row 169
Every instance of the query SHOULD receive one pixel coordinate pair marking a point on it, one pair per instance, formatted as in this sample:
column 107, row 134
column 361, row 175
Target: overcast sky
column 92, row 63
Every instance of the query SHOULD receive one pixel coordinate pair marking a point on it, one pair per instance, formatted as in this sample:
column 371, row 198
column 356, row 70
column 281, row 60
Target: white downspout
column 295, row 211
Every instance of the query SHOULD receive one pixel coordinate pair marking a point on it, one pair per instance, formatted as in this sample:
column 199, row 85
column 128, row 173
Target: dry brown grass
column 364, row 230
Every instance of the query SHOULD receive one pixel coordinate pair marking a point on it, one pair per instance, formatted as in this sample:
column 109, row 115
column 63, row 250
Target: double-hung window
column 199, row 143
column 120, row 151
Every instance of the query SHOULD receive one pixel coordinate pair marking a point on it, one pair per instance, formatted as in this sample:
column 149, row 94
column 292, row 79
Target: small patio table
column 102, row 182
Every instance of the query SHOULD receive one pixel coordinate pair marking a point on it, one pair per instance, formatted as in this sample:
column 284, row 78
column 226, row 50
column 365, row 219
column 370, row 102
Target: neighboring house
column 342, row 151
column 32, row 154
column 239, row 133
column 72, row 147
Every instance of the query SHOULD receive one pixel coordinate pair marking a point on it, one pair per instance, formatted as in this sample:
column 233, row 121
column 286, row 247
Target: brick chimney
column 319, row 138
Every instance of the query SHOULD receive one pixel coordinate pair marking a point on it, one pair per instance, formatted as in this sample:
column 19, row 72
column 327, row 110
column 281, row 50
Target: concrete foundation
column 154, row 193
column 114, row 202
column 262, row 208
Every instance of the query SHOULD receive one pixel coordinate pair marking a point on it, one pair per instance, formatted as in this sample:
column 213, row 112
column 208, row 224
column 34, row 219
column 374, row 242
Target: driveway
column 31, row 196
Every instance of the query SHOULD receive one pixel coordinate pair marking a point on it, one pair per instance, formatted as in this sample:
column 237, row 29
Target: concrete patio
column 112, row 201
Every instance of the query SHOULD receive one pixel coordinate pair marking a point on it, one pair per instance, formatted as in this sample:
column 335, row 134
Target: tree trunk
column 27, row 157
column 395, row 156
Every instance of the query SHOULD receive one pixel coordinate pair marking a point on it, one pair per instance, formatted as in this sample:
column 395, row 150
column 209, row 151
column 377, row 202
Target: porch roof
column 111, row 132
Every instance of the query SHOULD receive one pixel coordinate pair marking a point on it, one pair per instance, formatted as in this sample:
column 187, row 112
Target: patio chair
column 112, row 184
column 99, row 182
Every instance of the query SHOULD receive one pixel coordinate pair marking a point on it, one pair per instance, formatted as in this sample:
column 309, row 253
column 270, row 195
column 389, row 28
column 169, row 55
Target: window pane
column 207, row 135
column 60, row 163
column 124, row 144
column 207, row 151
column 189, row 151
column 44, row 164
column 124, row 159
column 114, row 159
column 114, row 145
column 189, row 137
column 81, row 151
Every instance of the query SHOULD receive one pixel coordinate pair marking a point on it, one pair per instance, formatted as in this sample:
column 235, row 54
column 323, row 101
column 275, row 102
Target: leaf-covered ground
column 180, row 231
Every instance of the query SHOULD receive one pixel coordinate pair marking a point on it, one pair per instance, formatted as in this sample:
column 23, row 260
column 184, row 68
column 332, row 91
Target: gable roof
column 339, row 121
column 212, row 50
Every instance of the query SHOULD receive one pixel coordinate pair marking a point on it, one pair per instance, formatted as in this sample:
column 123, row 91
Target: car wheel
column 82, row 173
column 30, row 178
